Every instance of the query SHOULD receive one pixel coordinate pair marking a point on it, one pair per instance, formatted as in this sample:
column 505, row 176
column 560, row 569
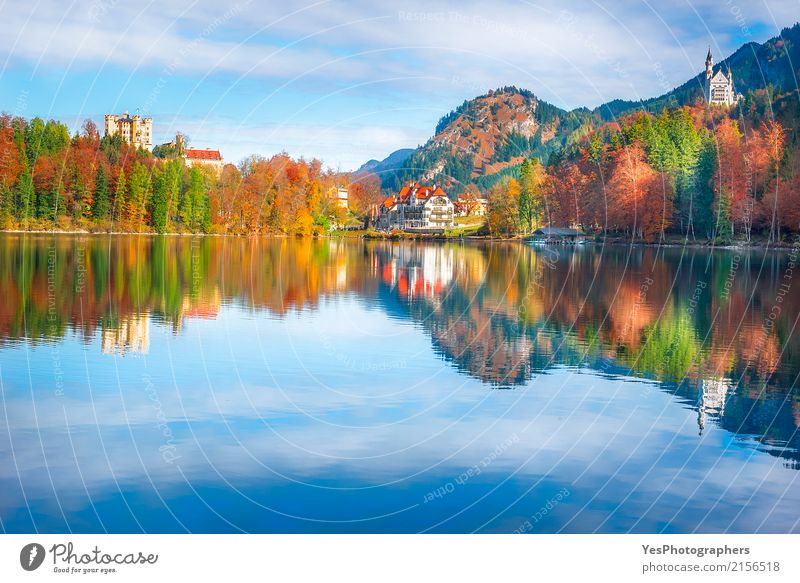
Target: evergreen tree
column 160, row 201
column 140, row 191
column 724, row 227
column 185, row 210
column 699, row 211
column 199, row 199
column 101, row 196
column 6, row 202
column 195, row 201
column 51, row 202
column 596, row 150
column 25, row 195
column 119, row 209
column 173, row 179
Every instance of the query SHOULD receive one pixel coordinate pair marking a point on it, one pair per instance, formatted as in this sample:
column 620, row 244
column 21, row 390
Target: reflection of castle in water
column 712, row 396
column 131, row 335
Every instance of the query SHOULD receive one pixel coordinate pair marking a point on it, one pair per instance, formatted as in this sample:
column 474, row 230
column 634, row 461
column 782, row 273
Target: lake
column 209, row 384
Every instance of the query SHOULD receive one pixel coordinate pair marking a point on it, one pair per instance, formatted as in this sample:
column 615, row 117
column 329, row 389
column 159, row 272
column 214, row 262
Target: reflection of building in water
column 132, row 335
column 711, row 400
column 205, row 307
column 341, row 273
column 435, row 272
column 420, row 272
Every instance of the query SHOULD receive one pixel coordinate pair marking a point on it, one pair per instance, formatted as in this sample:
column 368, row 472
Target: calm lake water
column 223, row 385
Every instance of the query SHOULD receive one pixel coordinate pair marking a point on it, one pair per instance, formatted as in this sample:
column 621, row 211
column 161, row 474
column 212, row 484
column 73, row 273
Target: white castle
column 719, row 86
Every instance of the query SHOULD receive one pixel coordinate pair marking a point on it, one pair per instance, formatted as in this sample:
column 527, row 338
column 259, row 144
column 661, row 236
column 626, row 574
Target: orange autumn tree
column 364, row 192
column 504, row 208
column 640, row 199
column 775, row 192
column 567, row 196
column 735, row 174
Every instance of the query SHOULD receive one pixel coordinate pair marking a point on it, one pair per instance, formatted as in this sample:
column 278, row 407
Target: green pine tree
column 140, row 192
column 724, row 221
column 25, row 195
column 194, row 207
column 102, row 204
column 160, row 201
column 119, row 207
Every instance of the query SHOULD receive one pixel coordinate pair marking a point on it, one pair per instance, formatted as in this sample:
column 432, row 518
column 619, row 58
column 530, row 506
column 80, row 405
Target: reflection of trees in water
column 500, row 312
column 165, row 278
column 667, row 324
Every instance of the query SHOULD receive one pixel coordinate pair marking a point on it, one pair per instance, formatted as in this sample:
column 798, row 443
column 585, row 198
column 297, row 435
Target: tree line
column 705, row 173
column 51, row 180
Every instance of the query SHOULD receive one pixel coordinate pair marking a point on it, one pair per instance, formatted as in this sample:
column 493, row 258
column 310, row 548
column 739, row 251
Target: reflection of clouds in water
column 578, row 429
column 325, row 376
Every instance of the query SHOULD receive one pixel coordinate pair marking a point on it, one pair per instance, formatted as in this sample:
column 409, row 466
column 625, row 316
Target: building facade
column 467, row 206
column 208, row 157
column 416, row 207
column 341, row 197
column 719, row 86
column 135, row 130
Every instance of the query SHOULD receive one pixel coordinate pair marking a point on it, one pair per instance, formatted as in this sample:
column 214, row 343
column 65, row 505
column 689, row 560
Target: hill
column 485, row 136
column 391, row 163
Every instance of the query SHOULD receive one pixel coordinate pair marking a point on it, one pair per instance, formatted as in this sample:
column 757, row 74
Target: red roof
column 203, row 154
column 403, row 194
column 421, row 192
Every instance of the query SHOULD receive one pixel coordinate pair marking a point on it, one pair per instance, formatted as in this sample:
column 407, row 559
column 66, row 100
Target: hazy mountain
column 392, row 162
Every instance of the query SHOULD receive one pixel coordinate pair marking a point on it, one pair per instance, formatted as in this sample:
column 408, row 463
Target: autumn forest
column 704, row 173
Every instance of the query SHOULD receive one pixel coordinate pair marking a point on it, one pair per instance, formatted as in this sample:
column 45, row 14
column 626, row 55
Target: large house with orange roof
column 208, row 157
column 417, row 208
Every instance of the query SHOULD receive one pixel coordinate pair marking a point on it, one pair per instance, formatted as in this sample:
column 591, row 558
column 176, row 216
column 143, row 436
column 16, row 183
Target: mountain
column 391, row 163
column 487, row 137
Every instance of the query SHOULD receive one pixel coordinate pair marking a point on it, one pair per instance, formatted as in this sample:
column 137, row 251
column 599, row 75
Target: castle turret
column 709, row 64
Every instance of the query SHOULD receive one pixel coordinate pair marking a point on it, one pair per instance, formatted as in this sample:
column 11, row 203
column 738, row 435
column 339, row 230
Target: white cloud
column 346, row 145
column 575, row 49
column 569, row 53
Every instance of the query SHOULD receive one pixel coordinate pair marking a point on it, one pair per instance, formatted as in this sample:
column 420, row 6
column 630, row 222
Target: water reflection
column 714, row 323
column 711, row 330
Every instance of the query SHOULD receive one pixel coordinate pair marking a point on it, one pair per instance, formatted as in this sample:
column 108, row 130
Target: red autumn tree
column 640, row 199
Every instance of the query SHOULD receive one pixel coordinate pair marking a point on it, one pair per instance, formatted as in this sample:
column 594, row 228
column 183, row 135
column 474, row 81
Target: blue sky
column 348, row 81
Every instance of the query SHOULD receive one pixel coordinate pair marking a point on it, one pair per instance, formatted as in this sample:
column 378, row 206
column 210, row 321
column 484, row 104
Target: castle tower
column 134, row 130
column 719, row 89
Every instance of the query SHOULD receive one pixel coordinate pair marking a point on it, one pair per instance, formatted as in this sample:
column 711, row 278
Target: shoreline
column 376, row 236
